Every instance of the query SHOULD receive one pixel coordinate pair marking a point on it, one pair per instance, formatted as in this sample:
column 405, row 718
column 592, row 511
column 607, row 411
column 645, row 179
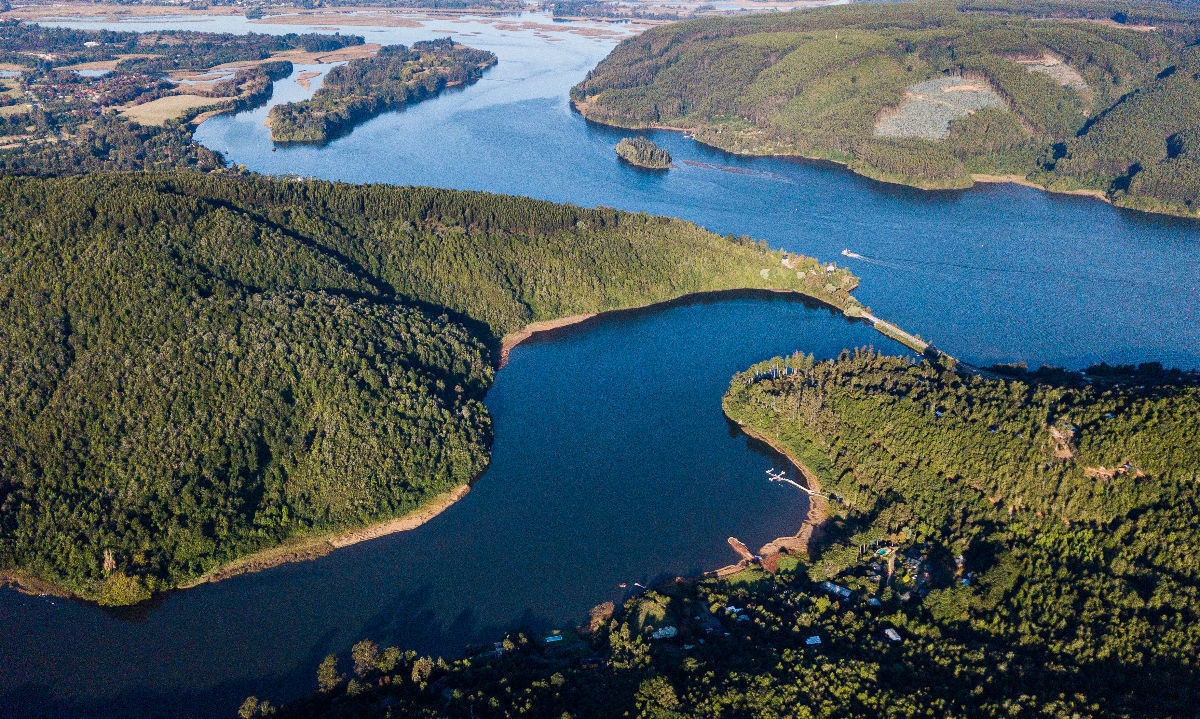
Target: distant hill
column 1095, row 97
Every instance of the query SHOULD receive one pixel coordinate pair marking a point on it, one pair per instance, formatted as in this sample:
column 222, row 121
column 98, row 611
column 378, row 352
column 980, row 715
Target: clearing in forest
column 157, row 112
column 1054, row 68
column 929, row 107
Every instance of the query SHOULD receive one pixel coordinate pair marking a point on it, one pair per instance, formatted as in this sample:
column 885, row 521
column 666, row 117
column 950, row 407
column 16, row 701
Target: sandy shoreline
column 314, row 547
column 301, row 549
column 810, row 528
column 308, row 548
column 1018, row 180
column 513, row 339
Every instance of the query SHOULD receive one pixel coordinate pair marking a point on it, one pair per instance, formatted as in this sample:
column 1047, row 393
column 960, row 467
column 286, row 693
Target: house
column 835, row 589
column 665, row 633
column 813, row 641
column 891, row 634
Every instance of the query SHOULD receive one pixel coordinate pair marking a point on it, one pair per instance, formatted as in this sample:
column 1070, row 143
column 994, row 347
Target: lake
column 612, row 461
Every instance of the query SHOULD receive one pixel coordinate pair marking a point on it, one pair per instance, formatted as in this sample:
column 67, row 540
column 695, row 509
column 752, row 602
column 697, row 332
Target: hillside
column 1017, row 545
column 1092, row 97
column 200, row 366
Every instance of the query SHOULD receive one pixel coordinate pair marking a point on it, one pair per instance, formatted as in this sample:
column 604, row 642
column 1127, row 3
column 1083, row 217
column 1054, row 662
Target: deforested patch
column 929, row 107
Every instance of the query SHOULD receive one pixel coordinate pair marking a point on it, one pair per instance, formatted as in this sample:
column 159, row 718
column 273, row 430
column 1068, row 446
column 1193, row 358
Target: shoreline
column 302, row 549
column 513, row 339
column 810, row 530
column 932, row 186
column 296, row 549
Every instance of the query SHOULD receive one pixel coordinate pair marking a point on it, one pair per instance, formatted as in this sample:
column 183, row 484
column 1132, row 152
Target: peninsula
column 1078, row 97
column 293, row 361
column 365, row 87
column 979, row 526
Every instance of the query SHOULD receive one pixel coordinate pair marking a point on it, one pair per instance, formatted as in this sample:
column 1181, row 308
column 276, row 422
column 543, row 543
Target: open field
column 929, row 107
column 158, row 112
column 1057, row 70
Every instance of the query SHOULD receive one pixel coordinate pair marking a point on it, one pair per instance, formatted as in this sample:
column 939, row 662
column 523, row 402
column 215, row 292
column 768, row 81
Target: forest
column 643, row 153
column 199, row 366
column 1096, row 97
column 366, row 87
column 1044, row 529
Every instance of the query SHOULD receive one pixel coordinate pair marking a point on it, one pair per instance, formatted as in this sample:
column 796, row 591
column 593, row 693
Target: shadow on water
column 612, row 460
column 697, row 299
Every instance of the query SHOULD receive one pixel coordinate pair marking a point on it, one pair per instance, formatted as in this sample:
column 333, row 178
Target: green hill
column 198, row 367
column 1099, row 97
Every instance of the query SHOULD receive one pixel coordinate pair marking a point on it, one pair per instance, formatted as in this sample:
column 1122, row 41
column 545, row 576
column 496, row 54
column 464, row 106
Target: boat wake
column 903, row 263
column 871, row 260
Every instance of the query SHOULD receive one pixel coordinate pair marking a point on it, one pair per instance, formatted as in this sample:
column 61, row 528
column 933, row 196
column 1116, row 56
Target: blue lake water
column 612, row 461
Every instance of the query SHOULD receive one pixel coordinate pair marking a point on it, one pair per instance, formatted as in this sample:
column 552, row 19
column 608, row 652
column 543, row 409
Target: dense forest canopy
column 1011, row 544
column 1091, row 96
column 200, row 366
column 365, row 87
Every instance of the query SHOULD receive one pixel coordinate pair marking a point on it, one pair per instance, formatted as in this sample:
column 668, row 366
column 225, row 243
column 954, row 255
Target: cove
column 612, row 463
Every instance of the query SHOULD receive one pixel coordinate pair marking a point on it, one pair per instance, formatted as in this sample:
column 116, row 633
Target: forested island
column 199, row 366
column 1101, row 98
column 1002, row 544
column 643, row 153
column 363, row 88
column 138, row 115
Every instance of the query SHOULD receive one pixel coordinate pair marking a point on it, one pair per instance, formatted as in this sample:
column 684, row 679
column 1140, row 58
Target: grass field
column 158, row 112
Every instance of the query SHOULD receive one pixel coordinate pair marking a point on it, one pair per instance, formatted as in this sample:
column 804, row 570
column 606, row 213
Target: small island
column 643, row 153
column 1072, row 100
column 366, row 87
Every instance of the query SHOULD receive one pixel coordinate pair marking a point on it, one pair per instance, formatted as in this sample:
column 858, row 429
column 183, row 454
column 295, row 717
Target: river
column 612, row 461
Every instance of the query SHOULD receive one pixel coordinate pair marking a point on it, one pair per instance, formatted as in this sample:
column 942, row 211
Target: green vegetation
column 363, row 88
column 73, row 124
column 1083, row 101
column 643, row 153
column 54, row 121
column 35, row 46
column 1023, row 584
column 201, row 366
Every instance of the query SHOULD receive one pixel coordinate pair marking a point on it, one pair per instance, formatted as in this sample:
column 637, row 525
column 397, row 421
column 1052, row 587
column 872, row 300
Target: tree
column 366, row 657
column 421, row 670
column 328, row 677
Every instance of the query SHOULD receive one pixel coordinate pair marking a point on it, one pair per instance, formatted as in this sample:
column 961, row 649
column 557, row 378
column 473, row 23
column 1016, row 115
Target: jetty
column 775, row 475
